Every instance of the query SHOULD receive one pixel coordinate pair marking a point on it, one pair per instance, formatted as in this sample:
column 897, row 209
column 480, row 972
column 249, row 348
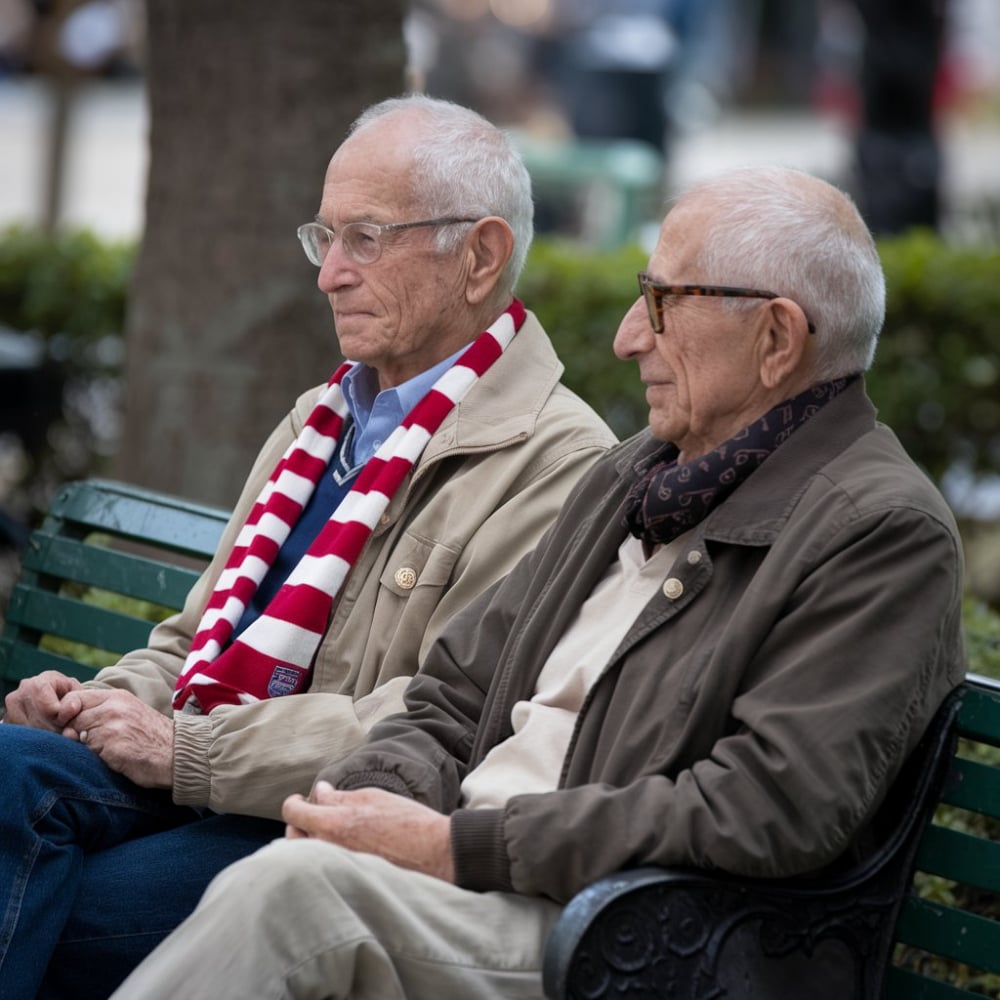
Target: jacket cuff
column 373, row 778
column 478, row 850
column 192, row 773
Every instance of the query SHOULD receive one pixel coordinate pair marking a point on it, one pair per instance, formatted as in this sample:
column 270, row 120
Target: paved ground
column 107, row 154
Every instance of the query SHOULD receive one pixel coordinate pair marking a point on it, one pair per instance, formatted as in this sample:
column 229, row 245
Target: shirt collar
column 378, row 413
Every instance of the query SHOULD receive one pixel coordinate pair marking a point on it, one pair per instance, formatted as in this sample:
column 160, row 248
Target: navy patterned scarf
column 669, row 498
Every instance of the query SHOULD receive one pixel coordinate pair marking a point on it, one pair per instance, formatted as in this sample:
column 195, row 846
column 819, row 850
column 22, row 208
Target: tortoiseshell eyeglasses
column 654, row 293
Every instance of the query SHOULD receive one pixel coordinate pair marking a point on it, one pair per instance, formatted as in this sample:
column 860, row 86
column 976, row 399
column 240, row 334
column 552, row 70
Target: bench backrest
column 951, row 918
column 102, row 541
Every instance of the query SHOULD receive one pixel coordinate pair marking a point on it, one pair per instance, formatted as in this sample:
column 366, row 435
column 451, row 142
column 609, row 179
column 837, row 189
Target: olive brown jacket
column 756, row 711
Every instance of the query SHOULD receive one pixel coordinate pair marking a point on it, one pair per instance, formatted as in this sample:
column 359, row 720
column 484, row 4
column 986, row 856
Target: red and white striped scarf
column 273, row 655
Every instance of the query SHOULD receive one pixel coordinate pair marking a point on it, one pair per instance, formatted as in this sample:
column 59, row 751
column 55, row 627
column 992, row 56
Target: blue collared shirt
column 374, row 416
column 377, row 414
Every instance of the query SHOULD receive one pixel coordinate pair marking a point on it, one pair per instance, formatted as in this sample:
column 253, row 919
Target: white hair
column 788, row 232
column 466, row 166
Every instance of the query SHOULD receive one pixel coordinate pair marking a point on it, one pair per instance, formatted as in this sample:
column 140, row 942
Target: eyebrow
column 322, row 222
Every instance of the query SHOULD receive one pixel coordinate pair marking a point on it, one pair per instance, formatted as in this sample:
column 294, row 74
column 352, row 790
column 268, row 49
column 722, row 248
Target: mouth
column 348, row 314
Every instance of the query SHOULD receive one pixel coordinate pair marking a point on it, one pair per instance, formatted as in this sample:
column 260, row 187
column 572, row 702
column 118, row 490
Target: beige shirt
column 531, row 759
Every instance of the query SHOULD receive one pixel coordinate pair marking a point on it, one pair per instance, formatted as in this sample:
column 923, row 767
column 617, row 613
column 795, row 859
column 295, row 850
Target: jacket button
column 673, row 588
column 694, row 557
column 406, row 578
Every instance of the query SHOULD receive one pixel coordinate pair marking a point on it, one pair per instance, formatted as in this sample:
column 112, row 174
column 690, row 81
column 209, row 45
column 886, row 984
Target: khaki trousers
column 308, row 919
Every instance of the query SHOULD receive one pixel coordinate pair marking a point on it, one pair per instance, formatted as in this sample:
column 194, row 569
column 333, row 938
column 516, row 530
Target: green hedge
column 73, row 285
column 936, row 379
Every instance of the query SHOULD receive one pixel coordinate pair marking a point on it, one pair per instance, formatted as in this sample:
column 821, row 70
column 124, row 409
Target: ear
column 787, row 343
column 490, row 246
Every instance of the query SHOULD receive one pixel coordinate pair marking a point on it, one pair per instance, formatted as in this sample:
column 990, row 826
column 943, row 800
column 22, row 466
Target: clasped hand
column 129, row 736
column 371, row 820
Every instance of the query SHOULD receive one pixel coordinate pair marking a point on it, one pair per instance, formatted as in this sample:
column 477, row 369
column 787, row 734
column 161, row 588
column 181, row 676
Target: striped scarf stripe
column 273, row 655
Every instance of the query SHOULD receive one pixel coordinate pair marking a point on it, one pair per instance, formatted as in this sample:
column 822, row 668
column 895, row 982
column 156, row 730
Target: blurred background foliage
column 71, row 285
column 936, row 379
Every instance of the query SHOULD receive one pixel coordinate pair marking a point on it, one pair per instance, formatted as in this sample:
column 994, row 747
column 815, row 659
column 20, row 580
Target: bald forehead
column 371, row 174
column 391, row 137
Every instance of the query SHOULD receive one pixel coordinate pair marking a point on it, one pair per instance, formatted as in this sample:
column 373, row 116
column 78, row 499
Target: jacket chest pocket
column 415, row 563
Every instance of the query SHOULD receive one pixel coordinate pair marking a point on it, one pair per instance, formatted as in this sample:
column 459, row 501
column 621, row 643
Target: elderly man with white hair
column 389, row 498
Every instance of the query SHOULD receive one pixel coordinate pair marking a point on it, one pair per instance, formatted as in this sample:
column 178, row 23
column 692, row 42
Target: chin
column 660, row 427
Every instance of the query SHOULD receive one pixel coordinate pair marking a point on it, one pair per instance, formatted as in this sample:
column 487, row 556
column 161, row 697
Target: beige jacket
column 489, row 482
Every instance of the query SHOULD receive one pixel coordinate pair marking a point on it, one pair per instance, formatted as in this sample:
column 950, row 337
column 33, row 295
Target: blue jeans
column 94, row 870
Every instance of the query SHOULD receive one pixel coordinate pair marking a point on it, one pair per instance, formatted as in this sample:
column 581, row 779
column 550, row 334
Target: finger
column 68, row 708
column 294, row 833
column 311, row 819
column 290, row 807
column 95, row 697
column 324, row 792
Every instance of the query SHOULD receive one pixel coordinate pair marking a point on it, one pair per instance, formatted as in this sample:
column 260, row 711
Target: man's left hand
column 129, row 736
column 407, row 833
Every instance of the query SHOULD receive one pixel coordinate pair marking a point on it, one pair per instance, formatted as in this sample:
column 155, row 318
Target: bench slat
column 960, row 857
column 903, row 984
column 23, row 661
column 978, row 790
column 979, row 716
column 943, row 930
column 153, row 518
column 108, row 569
column 76, row 621
column 100, row 535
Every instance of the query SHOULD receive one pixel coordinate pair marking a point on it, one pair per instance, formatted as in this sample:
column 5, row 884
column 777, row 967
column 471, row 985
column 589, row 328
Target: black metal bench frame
column 654, row 932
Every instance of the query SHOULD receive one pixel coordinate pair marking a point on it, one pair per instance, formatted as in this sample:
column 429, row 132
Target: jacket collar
column 758, row 509
column 505, row 404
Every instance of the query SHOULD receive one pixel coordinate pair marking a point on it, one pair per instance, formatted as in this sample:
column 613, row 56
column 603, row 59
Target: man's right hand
column 36, row 701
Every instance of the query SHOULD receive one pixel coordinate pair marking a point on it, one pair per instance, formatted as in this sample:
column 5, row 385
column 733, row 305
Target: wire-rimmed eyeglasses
column 654, row 293
column 362, row 241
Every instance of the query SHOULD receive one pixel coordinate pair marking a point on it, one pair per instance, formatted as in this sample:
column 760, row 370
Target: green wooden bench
column 922, row 913
column 102, row 541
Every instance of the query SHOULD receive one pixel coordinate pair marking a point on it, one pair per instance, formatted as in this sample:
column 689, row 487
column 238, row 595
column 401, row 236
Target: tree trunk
column 248, row 101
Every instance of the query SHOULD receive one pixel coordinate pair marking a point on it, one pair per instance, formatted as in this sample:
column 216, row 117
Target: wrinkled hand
column 37, row 700
column 129, row 736
column 407, row 833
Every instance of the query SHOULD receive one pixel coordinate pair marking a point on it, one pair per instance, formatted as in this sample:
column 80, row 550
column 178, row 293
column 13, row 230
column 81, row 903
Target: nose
column 635, row 333
column 336, row 270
